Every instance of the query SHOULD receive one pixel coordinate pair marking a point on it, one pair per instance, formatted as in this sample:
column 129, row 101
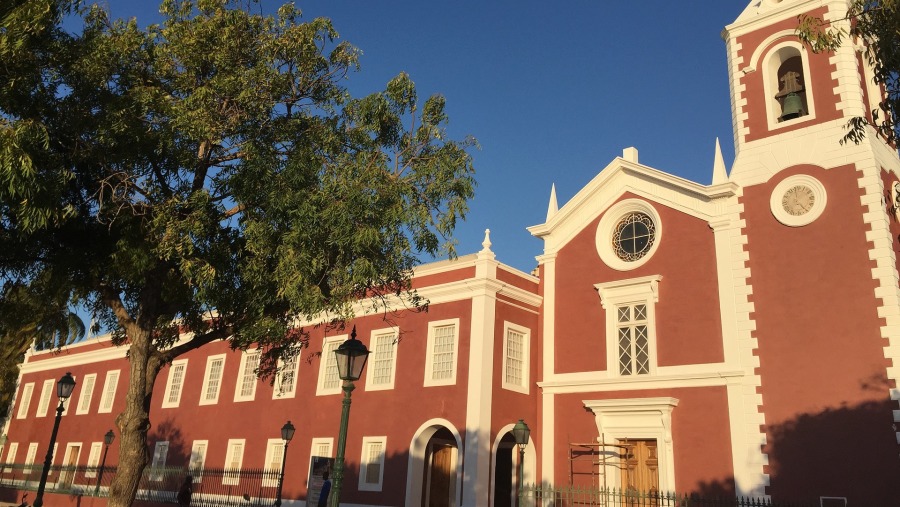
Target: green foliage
column 876, row 26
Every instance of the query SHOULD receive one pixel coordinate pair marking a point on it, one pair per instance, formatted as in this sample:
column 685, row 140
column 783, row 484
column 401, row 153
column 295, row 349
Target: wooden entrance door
column 439, row 475
column 67, row 473
column 640, row 467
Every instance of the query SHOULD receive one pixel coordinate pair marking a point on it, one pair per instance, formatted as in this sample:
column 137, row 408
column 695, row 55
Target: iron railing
column 574, row 496
column 213, row 487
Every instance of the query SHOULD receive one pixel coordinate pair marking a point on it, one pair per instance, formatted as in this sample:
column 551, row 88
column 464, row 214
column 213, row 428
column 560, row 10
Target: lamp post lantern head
column 287, row 431
column 109, row 437
column 65, row 386
column 351, row 358
column 521, row 432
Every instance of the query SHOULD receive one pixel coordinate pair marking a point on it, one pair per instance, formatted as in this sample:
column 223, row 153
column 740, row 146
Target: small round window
column 633, row 236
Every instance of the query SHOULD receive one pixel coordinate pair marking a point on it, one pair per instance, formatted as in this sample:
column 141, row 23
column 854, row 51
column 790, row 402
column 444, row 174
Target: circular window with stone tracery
column 628, row 234
column 634, row 236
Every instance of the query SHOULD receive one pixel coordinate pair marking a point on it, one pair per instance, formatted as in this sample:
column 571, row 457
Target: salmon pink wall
column 445, row 277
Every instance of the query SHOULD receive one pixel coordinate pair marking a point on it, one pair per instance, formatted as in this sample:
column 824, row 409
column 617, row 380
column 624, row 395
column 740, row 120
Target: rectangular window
column 53, row 457
column 175, row 383
column 30, row 456
column 109, row 392
column 329, row 382
column 516, row 345
column 274, row 455
column 212, row 379
column 633, row 339
column 321, row 447
column 87, row 393
column 157, row 466
column 630, row 307
column 245, row 390
column 25, row 400
column 46, row 393
column 11, row 452
column 382, row 365
column 441, row 354
column 371, row 470
column 93, row 461
column 286, row 378
column 198, row 458
column 233, row 461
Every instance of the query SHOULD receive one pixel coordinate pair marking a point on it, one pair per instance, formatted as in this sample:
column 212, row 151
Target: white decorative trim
column 587, row 382
column 634, row 291
column 234, row 460
column 529, row 473
column 525, row 386
column 775, row 201
column 608, row 223
column 247, row 357
column 326, row 360
column 169, row 386
column 415, row 480
column 639, row 418
column 376, row 342
column 429, row 381
column 364, row 462
column 207, row 380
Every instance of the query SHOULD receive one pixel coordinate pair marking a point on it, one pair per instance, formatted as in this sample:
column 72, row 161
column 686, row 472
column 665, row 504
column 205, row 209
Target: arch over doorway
column 434, row 474
column 504, row 472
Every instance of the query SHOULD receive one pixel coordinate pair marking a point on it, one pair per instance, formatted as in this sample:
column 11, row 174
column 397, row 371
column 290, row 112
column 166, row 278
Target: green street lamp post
column 521, row 433
column 64, row 389
column 107, row 439
column 287, row 433
column 351, row 359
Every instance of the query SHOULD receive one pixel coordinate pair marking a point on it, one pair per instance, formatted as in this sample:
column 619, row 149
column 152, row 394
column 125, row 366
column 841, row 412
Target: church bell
column 792, row 107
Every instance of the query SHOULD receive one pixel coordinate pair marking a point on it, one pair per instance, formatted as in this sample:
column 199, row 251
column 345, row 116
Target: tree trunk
column 134, row 421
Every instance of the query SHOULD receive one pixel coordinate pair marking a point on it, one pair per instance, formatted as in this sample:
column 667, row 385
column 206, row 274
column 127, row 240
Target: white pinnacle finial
column 487, row 241
column 720, row 174
column 552, row 207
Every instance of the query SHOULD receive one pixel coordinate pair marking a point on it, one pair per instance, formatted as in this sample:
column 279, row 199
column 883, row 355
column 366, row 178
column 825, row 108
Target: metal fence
column 566, row 496
column 213, row 487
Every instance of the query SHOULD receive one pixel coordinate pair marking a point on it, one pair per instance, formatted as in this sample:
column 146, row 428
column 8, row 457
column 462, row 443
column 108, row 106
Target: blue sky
column 553, row 91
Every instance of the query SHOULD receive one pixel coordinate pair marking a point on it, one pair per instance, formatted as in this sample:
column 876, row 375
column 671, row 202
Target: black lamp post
column 351, row 359
column 64, row 389
column 287, row 433
column 521, row 433
column 107, row 439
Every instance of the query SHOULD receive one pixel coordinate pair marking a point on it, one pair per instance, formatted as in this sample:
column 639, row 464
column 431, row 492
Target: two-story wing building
column 741, row 337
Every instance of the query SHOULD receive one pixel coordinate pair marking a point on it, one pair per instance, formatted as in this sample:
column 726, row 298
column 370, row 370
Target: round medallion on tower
column 798, row 200
column 628, row 234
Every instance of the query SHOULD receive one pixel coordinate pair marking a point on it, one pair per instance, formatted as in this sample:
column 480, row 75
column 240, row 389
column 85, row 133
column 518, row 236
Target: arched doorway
column 505, row 477
column 434, row 476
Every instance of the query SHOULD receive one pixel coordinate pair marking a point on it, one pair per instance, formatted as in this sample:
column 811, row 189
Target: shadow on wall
column 179, row 451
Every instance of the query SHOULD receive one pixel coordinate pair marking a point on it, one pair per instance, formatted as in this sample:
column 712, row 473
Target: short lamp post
column 351, row 359
column 521, row 433
column 64, row 389
column 287, row 433
column 107, row 439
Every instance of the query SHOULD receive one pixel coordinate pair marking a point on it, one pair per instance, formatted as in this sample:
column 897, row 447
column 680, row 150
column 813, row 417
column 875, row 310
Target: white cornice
column 761, row 13
column 577, row 383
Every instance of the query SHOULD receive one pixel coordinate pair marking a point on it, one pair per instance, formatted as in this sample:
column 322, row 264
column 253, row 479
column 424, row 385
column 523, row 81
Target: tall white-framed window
column 234, row 458
column 442, row 353
column 329, row 382
column 245, row 390
column 109, row 392
column 30, row 456
column 157, row 465
column 53, row 457
column 93, row 461
column 382, row 367
column 46, row 393
column 25, row 400
column 87, row 394
column 286, row 379
column 198, row 458
column 630, row 324
column 212, row 379
column 371, row 468
column 516, row 357
column 274, row 456
column 321, row 447
column 11, row 452
column 175, row 383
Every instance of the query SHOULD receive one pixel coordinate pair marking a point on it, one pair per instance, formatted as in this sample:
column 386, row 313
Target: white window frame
column 11, row 450
column 525, row 386
column 86, row 396
column 364, row 462
column 110, row 386
column 430, row 381
column 274, row 457
column 328, row 362
column 46, row 393
column 31, row 454
column 379, row 339
column 197, row 459
column 643, row 290
column 25, row 401
column 207, row 379
column 246, row 374
column 234, row 461
column 174, row 385
column 158, row 461
column 93, row 461
column 53, row 457
column 278, row 392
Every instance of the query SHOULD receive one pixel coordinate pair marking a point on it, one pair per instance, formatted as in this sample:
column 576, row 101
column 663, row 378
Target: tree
column 210, row 175
column 877, row 26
